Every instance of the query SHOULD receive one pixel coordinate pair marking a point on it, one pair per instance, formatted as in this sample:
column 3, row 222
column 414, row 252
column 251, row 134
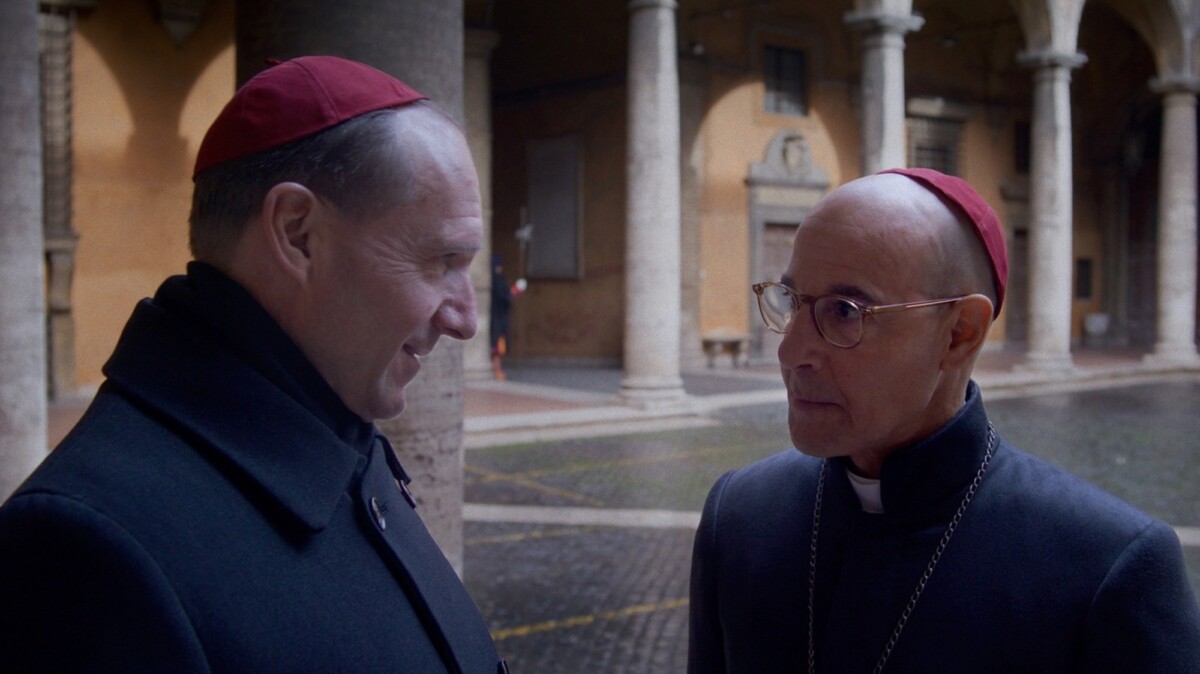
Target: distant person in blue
column 226, row 503
column 905, row 535
column 502, row 297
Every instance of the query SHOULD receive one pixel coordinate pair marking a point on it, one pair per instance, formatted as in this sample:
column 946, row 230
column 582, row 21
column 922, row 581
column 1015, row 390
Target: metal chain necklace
column 937, row 555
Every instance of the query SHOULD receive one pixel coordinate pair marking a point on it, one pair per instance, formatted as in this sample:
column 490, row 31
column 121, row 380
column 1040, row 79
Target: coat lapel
column 451, row 618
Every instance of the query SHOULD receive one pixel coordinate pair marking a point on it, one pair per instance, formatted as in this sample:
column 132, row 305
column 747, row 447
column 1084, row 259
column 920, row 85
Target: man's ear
column 289, row 214
column 972, row 316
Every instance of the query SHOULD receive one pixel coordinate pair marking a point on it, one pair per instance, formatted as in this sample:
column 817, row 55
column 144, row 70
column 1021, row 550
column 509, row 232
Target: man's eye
column 782, row 299
column 843, row 310
column 451, row 261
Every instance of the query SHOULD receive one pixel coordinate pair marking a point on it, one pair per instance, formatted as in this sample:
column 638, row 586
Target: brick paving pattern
column 563, row 598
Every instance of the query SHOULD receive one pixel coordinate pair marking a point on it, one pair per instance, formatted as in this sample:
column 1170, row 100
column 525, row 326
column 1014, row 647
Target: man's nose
column 456, row 317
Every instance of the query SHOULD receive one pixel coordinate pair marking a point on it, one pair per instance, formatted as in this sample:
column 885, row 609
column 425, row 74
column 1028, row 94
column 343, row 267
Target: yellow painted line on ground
column 597, row 465
column 528, row 535
column 579, row 620
column 519, row 479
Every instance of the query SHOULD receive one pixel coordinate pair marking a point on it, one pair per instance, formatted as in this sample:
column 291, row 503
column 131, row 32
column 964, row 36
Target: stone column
column 1176, row 319
column 22, row 291
column 56, row 28
column 693, row 104
column 477, row 110
column 420, row 42
column 1051, row 258
column 882, row 86
column 652, row 258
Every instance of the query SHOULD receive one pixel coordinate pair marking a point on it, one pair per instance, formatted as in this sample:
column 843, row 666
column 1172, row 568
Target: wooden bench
column 717, row 342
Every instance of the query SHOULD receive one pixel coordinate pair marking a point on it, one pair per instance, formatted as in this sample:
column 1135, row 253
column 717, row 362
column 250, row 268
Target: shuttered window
column 784, row 81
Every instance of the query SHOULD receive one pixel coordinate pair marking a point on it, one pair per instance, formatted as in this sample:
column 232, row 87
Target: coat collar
column 205, row 355
column 936, row 469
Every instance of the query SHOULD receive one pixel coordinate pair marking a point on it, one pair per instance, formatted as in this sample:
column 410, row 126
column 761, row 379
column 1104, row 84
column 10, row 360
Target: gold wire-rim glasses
column 851, row 337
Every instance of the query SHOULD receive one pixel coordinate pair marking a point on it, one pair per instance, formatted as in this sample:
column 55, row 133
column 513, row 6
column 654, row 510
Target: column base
column 1173, row 355
column 478, row 373
column 1057, row 363
column 652, row 392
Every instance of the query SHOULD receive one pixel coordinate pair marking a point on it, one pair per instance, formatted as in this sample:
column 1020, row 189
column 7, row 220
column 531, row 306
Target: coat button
column 377, row 513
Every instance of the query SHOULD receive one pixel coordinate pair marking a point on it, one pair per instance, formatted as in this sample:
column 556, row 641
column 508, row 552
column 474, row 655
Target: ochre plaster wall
column 736, row 130
column 724, row 234
column 141, row 106
column 987, row 163
column 735, row 134
column 1087, row 242
column 579, row 319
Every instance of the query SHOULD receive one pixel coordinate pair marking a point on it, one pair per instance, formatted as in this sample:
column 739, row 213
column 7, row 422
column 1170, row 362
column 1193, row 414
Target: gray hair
column 960, row 263
column 354, row 165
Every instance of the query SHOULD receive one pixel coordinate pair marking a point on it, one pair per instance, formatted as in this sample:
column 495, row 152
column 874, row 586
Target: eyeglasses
column 838, row 319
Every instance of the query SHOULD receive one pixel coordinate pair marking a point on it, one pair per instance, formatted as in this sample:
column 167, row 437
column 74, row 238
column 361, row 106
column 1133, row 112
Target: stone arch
column 1169, row 28
column 1050, row 26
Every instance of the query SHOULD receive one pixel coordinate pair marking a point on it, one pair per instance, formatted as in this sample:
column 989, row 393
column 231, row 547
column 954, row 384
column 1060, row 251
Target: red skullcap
column 958, row 192
column 294, row 99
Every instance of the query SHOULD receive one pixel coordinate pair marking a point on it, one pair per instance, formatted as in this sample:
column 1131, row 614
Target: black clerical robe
column 1045, row 573
column 218, row 509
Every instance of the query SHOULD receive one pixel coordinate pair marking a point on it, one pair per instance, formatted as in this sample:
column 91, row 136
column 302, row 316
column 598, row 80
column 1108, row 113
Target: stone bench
column 717, row 342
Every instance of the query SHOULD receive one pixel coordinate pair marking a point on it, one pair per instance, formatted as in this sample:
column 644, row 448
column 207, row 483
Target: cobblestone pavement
column 578, row 551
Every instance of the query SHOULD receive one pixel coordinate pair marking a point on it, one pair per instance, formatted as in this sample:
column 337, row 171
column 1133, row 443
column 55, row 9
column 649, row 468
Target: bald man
column 226, row 503
column 905, row 535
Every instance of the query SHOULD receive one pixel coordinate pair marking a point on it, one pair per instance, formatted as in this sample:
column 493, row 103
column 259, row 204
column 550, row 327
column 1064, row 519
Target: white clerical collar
column 870, row 494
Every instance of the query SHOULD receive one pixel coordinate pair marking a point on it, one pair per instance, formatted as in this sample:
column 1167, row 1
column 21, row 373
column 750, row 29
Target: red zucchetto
column 959, row 194
column 294, row 99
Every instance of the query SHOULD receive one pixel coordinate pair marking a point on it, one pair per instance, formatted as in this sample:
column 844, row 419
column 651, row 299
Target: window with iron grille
column 784, row 81
column 933, row 143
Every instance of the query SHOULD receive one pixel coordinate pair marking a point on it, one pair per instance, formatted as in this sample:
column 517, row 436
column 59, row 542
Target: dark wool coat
column 218, row 509
column 1045, row 573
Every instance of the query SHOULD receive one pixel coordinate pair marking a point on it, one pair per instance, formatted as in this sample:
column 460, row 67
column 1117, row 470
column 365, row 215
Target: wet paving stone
column 614, row 599
column 672, row 470
column 574, row 599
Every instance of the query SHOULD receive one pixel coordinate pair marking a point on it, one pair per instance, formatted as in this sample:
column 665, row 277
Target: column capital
column 1175, row 84
column 1047, row 58
column 874, row 21
column 635, row 5
column 479, row 42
